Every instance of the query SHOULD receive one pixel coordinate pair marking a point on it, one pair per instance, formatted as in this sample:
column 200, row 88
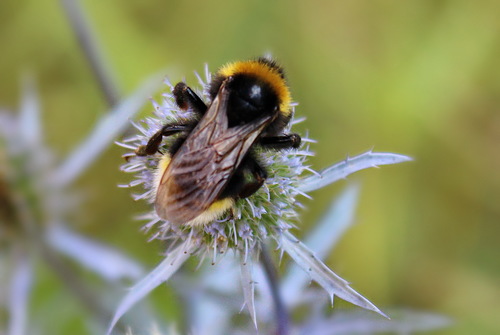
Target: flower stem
column 282, row 318
column 90, row 48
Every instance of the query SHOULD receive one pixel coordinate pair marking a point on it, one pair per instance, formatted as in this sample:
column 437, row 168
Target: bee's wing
column 205, row 162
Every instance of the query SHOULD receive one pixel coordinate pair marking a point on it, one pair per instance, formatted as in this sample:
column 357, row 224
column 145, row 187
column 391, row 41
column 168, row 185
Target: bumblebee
column 213, row 162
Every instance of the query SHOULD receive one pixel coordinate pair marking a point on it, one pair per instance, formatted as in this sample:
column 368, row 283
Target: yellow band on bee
column 265, row 73
column 215, row 211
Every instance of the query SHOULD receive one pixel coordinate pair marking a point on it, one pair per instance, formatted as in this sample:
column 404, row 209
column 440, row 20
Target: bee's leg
column 154, row 142
column 281, row 142
column 186, row 99
column 259, row 174
column 239, row 186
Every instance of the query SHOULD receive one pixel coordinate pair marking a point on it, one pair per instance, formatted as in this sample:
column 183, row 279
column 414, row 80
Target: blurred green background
column 420, row 78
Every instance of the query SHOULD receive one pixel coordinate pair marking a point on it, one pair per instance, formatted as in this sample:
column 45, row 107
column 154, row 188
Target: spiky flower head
column 34, row 191
column 28, row 198
column 268, row 214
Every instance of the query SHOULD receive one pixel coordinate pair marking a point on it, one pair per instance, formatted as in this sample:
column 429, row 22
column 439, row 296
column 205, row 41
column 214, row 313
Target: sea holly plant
column 202, row 295
column 265, row 217
column 205, row 294
column 35, row 199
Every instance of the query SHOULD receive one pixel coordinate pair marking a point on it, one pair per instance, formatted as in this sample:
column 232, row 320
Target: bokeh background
column 420, row 78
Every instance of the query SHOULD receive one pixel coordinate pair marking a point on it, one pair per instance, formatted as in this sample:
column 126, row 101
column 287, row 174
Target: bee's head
column 249, row 98
column 256, row 88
